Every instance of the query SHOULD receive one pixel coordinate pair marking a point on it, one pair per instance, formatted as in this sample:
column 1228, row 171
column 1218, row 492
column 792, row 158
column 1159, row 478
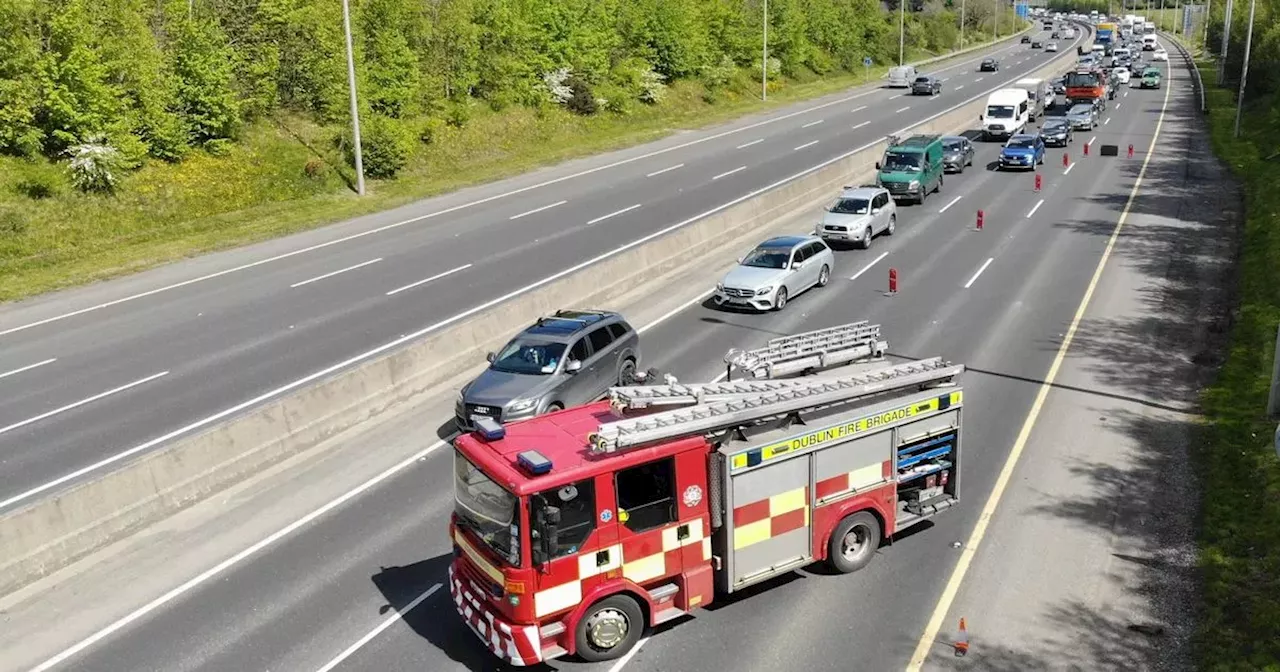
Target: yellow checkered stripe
column 762, row 520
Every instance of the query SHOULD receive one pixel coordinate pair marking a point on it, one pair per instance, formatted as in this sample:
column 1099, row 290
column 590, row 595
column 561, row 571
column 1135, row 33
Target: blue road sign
column 866, row 60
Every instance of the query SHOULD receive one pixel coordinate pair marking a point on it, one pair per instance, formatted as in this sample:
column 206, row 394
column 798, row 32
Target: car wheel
column 853, row 544
column 627, row 374
column 893, row 225
column 866, row 239
column 609, row 629
column 555, row 406
column 938, row 189
column 824, row 276
column 780, row 301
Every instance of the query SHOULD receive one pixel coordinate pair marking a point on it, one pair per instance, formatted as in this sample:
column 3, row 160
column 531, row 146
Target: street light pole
column 764, row 58
column 962, row 24
column 902, row 29
column 1204, row 45
column 355, row 107
column 1226, row 41
column 1244, row 68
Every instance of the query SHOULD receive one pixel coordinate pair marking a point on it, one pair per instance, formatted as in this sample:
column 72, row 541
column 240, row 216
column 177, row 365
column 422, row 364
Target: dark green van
column 912, row 167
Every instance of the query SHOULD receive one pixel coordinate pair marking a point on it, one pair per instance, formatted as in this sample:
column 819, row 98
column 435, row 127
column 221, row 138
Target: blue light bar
column 490, row 429
column 533, row 462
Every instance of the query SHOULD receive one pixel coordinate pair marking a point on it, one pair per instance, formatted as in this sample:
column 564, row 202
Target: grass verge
column 1239, row 534
column 286, row 176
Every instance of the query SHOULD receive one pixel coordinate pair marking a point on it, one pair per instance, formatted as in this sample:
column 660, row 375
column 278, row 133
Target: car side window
column 600, row 339
column 818, row 247
column 800, row 254
column 646, row 495
column 618, row 329
column 577, row 504
column 580, row 351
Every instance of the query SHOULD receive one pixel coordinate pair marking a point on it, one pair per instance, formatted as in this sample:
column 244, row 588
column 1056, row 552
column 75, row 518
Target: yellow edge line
column 930, row 634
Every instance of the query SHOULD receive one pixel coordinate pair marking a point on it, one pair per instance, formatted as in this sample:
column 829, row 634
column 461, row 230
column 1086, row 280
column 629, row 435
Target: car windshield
column 1021, row 143
column 1054, row 125
column 901, row 162
column 1000, row 111
column 1080, row 110
column 1077, row 79
column 768, row 257
column 486, row 509
column 989, row 62
column 528, row 357
column 850, row 206
column 922, row 80
column 953, row 145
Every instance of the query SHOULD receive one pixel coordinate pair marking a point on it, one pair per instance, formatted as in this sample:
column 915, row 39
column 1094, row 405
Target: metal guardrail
column 1195, row 71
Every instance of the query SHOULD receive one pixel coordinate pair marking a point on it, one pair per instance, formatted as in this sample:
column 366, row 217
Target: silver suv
column 857, row 215
column 568, row 359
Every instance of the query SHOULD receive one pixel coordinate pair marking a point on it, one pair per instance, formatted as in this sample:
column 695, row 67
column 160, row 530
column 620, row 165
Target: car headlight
column 719, row 286
column 915, row 184
column 522, row 405
column 764, row 290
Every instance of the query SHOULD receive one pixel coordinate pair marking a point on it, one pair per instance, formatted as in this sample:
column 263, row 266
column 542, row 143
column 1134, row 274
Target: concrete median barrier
column 45, row 535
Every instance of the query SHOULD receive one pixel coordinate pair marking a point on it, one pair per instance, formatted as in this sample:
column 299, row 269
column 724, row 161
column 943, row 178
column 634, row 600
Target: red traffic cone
column 962, row 640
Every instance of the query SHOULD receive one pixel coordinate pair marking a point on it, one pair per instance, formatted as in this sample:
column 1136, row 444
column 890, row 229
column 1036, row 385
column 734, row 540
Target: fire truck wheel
column 854, row 542
column 609, row 629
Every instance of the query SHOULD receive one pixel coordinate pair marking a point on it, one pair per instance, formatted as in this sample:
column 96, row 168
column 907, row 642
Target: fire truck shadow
column 434, row 618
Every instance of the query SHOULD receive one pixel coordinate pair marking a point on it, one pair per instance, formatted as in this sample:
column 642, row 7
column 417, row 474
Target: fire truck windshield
column 487, row 510
column 1081, row 79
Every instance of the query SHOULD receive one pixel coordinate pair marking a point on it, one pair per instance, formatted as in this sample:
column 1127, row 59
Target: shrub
column 614, row 99
column 557, row 87
column 719, row 75
column 652, row 86
column 457, row 115
column 431, row 131
column 95, row 165
column 583, row 100
column 313, row 168
column 219, row 146
column 387, row 144
column 37, row 187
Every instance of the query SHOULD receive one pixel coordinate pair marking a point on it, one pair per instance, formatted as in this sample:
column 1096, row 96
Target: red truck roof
column 561, row 437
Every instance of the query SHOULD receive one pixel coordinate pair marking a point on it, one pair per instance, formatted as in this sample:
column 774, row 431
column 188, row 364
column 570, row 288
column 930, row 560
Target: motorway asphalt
column 92, row 372
column 997, row 300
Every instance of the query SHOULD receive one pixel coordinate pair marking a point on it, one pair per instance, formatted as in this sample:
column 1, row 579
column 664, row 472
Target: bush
column 219, row 146
column 387, row 144
column 457, row 115
column 582, row 100
column 313, row 168
column 719, row 75
column 37, row 187
column 431, row 131
column 95, row 165
column 614, row 99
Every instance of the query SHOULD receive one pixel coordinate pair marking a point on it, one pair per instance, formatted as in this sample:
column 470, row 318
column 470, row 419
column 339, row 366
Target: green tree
column 203, row 65
column 389, row 61
column 19, row 88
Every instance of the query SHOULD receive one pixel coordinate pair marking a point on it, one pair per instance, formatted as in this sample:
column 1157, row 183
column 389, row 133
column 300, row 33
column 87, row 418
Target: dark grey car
column 1056, row 132
column 568, row 359
column 957, row 153
column 926, row 85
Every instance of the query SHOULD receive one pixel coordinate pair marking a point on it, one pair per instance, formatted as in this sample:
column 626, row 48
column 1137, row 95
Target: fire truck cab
column 575, row 531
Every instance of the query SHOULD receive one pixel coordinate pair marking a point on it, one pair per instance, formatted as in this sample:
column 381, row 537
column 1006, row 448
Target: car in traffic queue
column 926, row 85
column 1024, row 151
column 1060, row 85
column 858, row 215
column 957, row 153
column 989, row 65
column 776, row 271
column 1160, row 55
column 911, row 167
column 570, row 358
column 1026, row 39
column 1083, row 116
column 1051, row 47
column 1150, row 78
column 1122, row 75
column 1057, row 132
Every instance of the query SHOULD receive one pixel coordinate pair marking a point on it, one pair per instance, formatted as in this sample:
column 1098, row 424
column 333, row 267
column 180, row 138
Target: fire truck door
column 654, row 526
column 582, row 550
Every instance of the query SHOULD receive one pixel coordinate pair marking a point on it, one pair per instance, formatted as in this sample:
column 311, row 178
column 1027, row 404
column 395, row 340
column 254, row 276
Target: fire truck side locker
column 777, row 497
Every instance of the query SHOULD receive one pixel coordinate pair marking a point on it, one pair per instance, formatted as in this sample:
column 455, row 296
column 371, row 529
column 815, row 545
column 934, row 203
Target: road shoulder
column 1089, row 561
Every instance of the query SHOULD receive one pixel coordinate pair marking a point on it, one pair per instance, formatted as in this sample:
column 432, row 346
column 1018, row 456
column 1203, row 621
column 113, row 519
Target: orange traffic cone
column 962, row 640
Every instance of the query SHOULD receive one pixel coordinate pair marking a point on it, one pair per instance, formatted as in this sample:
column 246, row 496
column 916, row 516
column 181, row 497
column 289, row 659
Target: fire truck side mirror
column 546, row 522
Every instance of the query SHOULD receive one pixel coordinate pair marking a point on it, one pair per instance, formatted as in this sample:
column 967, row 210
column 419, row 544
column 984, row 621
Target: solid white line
column 597, row 220
column 974, row 279
column 953, row 202
column 27, row 368
column 545, row 207
column 1069, row 167
column 1035, row 207
column 235, row 559
column 753, row 142
column 667, row 169
column 807, row 144
column 903, row 110
column 868, row 266
column 617, row 667
column 812, row 123
column 739, row 168
column 859, row 109
column 82, row 402
column 857, row 126
column 204, row 422
column 391, row 620
column 337, row 272
column 437, row 276
column 929, row 637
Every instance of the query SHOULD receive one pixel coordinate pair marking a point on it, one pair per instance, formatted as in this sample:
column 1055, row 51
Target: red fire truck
column 1086, row 85
column 575, row 531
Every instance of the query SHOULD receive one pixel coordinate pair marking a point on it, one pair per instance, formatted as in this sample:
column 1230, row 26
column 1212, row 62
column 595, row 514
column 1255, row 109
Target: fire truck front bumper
column 518, row 645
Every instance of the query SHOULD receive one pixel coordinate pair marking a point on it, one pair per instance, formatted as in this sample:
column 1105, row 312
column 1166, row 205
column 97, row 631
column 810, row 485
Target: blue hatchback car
column 1023, row 151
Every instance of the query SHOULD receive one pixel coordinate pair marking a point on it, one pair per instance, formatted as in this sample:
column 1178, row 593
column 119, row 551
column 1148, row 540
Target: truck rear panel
column 786, row 489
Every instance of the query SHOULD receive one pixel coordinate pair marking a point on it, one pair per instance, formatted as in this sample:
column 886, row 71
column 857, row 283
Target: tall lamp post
column 1244, row 68
column 355, row 107
column 764, row 58
column 902, row 29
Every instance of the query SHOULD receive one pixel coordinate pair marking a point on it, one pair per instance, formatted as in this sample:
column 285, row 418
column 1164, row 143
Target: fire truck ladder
column 724, row 406
column 818, row 349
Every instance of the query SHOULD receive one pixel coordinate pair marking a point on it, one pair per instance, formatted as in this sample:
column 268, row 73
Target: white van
column 1006, row 114
column 1121, row 52
column 1149, row 43
column 1040, row 94
column 902, row 76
